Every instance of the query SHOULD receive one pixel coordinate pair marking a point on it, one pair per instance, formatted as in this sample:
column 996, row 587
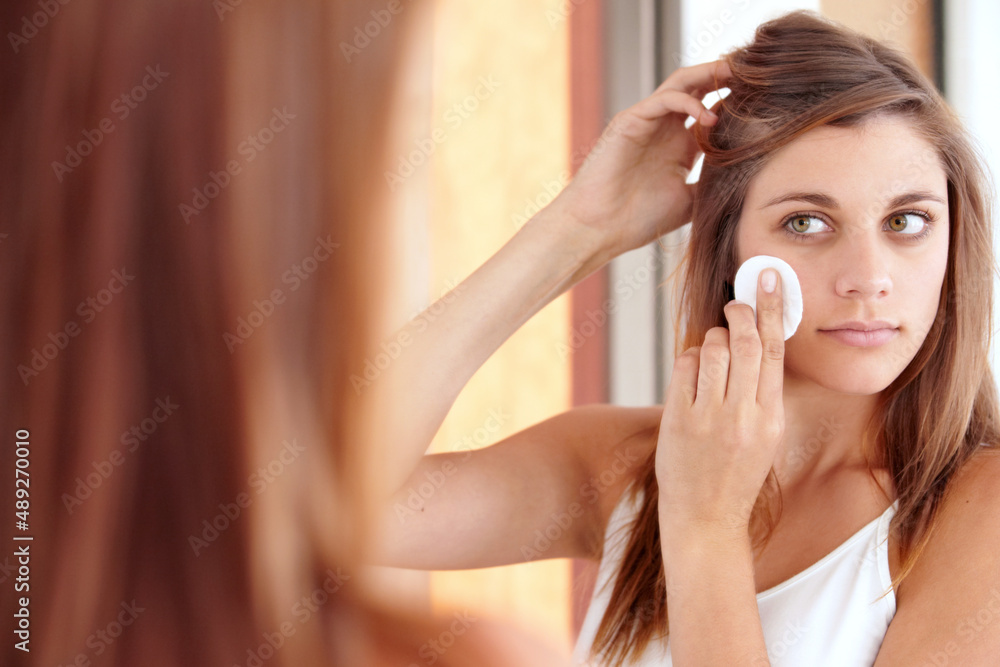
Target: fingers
column 757, row 347
column 700, row 373
column 714, row 373
column 682, row 92
column 772, row 337
column 744, row 363
column 745, row 348
column 673, row 101
column 697, row 78
column 684, row 378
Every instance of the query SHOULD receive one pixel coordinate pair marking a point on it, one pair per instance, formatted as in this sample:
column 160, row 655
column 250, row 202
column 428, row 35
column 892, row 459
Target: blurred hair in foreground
column 239, row 510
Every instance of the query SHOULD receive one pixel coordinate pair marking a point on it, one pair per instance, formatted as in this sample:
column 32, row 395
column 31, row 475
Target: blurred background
column 503, row 101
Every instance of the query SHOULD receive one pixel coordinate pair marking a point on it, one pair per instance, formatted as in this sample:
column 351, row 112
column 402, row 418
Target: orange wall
column 501, row 103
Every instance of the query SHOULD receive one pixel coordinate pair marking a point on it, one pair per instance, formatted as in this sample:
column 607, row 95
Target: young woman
column 780, row 503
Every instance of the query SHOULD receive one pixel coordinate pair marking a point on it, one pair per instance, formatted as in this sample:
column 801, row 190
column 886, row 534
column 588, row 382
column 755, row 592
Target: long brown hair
column 167, row 165
column 799, row 72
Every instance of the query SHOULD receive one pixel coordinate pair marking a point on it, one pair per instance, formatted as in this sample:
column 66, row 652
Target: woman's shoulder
column 953, row 588
column 977, row 479
column 965, row 527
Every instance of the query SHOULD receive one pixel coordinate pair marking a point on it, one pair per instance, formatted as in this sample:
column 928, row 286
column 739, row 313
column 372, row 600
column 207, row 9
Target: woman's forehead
column 882, row 158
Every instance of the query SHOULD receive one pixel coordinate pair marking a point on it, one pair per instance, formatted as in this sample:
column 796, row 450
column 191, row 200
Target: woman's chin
column 844, row 378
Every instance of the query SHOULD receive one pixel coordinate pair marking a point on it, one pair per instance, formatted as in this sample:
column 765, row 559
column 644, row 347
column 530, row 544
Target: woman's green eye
column 903, row 223
column 901, row 219
column 800, row 223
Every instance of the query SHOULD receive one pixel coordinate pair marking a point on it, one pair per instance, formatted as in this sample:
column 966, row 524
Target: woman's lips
column 856, row 338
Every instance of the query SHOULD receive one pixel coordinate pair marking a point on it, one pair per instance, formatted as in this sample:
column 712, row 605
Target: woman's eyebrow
column 815, row 198
column 913, row 197
column 826, row 201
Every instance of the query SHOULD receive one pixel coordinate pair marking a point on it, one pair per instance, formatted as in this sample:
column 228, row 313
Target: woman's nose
column 864, row 261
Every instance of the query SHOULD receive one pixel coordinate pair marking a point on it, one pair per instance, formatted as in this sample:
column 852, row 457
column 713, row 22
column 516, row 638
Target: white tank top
column 828, row 614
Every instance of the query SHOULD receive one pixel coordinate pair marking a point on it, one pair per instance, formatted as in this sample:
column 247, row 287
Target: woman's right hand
column 631, row 189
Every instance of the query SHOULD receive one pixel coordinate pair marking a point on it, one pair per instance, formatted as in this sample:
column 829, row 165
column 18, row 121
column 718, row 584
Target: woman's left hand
column 723, row 419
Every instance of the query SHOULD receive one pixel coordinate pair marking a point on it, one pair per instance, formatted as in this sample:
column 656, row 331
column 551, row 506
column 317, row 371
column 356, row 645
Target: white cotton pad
column 745, row 288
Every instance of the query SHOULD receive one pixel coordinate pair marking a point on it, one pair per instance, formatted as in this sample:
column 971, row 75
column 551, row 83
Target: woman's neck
column 823, row 432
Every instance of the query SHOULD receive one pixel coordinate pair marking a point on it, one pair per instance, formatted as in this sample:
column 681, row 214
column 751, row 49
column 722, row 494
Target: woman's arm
column 629, row 191
column 722, row 422
column 448, row 342
column 711, row 595
column 529, row 497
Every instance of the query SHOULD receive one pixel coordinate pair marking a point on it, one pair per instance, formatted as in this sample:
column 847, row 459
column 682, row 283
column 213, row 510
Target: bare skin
column 858, row 259
column 858, row 265
column 629, row 192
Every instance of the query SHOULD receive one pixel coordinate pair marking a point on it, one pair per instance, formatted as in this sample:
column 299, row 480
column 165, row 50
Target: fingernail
column 768, row 280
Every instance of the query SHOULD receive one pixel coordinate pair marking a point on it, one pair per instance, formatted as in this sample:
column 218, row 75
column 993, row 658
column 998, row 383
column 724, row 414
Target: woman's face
column 861, row 215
